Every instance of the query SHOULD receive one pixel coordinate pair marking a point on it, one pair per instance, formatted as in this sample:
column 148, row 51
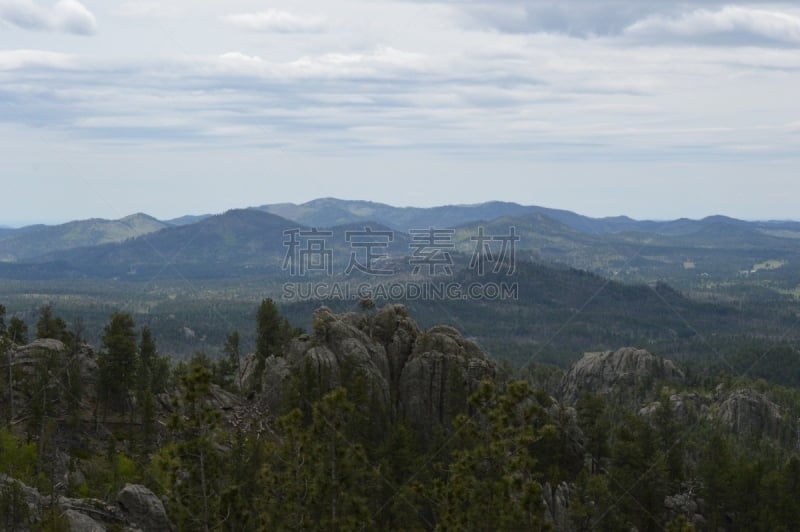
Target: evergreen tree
column 492, row 483
column 230, row 365
column 51, row 326
column 591, row 505
column 17, row 331
column 147, row 350
column 244, row 488
column 717, row 471
column 316, row 478
column 592, row 419
column 198, row 475
column 118, row 361
column 2, row 320
column 638, row 473
column 148, row 358
column 272, row 332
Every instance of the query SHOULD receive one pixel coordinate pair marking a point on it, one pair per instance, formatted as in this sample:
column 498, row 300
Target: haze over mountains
column 179, row 273
column 252, row 241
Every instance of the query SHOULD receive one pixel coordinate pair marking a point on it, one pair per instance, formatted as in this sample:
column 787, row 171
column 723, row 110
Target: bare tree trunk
column 203, row 487
column 10, row 386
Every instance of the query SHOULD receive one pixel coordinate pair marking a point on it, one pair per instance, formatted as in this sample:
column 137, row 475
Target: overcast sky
column 650, row 108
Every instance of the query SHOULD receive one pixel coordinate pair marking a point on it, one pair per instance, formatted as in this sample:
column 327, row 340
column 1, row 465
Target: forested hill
column 368, row 421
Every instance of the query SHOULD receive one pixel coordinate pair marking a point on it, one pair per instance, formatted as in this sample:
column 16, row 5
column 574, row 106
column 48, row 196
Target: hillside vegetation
column 370, row 421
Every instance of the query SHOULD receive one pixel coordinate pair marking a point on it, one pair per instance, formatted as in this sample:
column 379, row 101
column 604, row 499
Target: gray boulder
column 79, row 522
column 142, row 508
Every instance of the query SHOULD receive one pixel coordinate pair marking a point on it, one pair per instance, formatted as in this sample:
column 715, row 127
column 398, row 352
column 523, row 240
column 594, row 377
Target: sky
column 655, row 109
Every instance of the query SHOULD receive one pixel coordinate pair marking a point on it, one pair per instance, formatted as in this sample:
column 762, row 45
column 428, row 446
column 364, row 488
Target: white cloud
column 146, row 9
column 17, row 59
column 274, row 20
column 737, row 24
column 73, row 17
column 380, row 63
column 69, row 16
column 410, row 79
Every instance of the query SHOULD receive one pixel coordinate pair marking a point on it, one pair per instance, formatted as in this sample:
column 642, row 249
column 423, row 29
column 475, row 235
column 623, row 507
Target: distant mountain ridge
column 329, row 212
column 252, row 237
column 35, row 240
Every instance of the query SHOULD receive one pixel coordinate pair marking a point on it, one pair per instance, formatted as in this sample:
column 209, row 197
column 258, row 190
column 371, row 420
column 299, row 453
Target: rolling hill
column 37, row 240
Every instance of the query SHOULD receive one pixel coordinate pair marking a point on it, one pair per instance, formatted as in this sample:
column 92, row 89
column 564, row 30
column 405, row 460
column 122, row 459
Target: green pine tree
column 118, row 362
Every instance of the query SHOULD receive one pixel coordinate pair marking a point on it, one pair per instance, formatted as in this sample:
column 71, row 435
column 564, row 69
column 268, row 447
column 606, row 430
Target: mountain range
column 191, row 269
column 251, row 241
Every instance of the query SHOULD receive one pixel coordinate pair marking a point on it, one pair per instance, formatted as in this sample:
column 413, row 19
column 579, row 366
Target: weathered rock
column 443, row 370
column 748, row 412
column 104, row 514
column 685, row 405
column 338, row 349
column 688, row 504
column 398, row 333
column 628, row 371
column 79, row 522
column 423, row 377
column 556, row 502
column 32, row 497
column 142, row 508
column 92, row 515
column 221, row 399
column 276, row 373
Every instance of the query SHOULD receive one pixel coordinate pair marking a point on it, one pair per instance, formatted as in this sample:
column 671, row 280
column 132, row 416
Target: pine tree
column 638, row 473
column 198, row 476
column 17, row 331
column 51, row 326
column 317, row 478
column 492, row 483
column 272, row 331
column 591, row 410
column 228, row 368
column 118, row 361
column 145, row 399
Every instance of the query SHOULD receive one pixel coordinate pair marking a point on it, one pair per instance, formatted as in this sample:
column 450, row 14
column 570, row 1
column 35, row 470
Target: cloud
column 379, row 63
column 720, row 20
column 18, row 59
column 145, row 9
column 69, row 16
column 274, row 20
column 73, row 17
column 739, row 25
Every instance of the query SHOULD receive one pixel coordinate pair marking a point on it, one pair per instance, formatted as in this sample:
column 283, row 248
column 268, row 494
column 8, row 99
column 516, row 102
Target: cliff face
column 750, row 413
column 627, row 371
column 423, row 377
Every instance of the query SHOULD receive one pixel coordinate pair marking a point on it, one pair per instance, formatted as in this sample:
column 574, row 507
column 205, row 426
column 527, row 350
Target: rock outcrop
column 141, row 507
column 748, row 412
column 138, row 509
column 441, row 372
column 627, row 373
column 424, row 377
column 556, row 501
column 685, row 405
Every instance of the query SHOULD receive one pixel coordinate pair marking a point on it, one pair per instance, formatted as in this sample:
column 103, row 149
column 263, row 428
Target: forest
column 333, row 444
